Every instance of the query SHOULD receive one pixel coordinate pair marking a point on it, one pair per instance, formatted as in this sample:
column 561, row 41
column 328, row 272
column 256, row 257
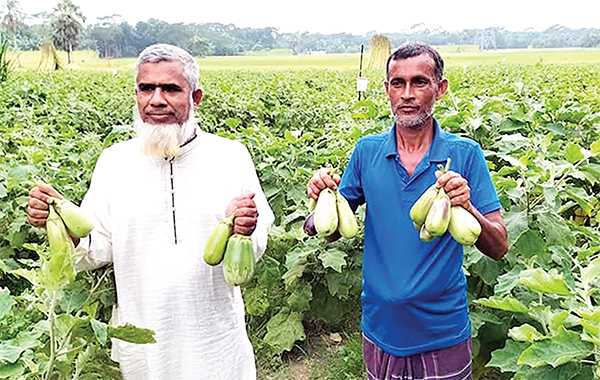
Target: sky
column 352, row 17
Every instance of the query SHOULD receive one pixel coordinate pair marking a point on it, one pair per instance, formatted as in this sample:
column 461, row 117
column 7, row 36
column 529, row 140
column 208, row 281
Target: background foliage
column 113, row 37
column 534, row 314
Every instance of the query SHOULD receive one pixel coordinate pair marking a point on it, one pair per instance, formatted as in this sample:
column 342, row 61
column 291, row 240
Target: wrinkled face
column 163, row 94
column 412, row 89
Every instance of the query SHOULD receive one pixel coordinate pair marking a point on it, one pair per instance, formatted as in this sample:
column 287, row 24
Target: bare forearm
column 493, row 240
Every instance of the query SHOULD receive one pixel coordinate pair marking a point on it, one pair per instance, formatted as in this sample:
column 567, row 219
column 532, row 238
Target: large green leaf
column 292, row 276
column 590, row 273
column 555, row 228
column 131, row 334
column 539, row 281
column 300, row 298
column 340, row 284
column 284, row 329
column 530, row 244
column 516, row 224
column 100, row 330
column 507, row 303
column 560, row 349
column 10, row 353
column 506, row 358
column 478, row 319
column 573, row 153
column 333, row 258
column 6, row 302
column 525, row 333
column 256, row 300
column 566, row 371
column 11, row 370
column 579, row 195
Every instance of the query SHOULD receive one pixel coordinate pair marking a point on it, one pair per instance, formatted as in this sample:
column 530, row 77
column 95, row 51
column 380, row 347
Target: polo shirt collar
column 437, row 152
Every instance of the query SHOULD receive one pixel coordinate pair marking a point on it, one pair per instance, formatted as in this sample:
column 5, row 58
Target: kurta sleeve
column 265, row 214
column 95, row 250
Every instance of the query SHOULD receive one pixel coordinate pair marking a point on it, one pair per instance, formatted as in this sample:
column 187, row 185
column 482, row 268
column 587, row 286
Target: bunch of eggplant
column 331, row 216
column 433, row 215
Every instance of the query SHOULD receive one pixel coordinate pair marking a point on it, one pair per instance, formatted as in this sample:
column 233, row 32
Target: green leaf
column 478, row 319
column 232, row 123
column 9, row 352
column 516, row 224
column 579, row 195
column 17, row 176
column 507, row 303
column 300, row 298
column 6, row 302
column 73, row 299
column 555, row 128
column 296, row 256
column 530, row 244
column 550, row 193
column 555, row 228
column 588, row 336
column 333, row 258
column 537, row 280
column 284, row 329
column 566, row 371
column 591, row 326
column 256, row 300
column 28, row 274
column 590, row 273
column 293, row 275
column 507, row 282
column 525, row 333
column 573, row 153
column 11, row 370
column 131, row 334
column 340, row 284
column 506, row 358
column 558, row 320
column 595, row 147
column 560, row 349
column 100, row 330
column 268, row 271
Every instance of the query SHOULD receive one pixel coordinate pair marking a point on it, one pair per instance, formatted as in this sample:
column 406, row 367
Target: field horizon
column 454, row 55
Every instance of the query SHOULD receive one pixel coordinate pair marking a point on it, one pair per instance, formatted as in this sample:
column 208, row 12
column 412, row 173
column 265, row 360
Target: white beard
column 163, row 140
column 417, row 122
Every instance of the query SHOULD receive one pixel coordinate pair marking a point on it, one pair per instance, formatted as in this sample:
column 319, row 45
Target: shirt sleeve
column 95, row 250
column 351, row 183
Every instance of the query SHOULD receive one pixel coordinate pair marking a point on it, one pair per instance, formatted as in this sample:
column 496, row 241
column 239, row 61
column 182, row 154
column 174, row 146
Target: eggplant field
column 535, row 314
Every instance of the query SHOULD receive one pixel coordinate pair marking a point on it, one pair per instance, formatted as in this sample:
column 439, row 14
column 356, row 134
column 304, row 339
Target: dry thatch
column 381, row 47
column 49, row 60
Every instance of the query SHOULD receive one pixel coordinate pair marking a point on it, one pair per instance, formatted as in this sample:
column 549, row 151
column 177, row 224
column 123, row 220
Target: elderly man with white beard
column 156, row 199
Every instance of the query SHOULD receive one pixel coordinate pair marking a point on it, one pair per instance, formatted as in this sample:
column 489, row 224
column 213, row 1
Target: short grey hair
column 413, row 49
column 164, row 52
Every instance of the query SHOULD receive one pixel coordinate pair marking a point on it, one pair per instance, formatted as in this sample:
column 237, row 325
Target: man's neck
column 413, row 140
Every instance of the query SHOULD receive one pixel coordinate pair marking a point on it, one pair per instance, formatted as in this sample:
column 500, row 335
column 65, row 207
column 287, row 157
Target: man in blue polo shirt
column 415, row 317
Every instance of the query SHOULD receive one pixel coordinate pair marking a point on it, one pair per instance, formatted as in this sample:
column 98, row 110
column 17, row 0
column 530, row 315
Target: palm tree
column 66, row 26
column 12, row 17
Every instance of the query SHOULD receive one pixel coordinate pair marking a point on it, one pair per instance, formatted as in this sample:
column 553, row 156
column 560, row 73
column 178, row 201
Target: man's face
column 412, row 89
column 163, row 94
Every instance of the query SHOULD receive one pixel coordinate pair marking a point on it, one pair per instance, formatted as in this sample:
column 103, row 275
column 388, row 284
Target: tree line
column 113, row 37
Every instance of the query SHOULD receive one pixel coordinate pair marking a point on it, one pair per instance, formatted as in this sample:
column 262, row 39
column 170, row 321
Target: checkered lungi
column 452, row 363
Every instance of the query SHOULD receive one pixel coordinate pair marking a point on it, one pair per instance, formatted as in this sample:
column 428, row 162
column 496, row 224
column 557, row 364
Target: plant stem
column 52, row 319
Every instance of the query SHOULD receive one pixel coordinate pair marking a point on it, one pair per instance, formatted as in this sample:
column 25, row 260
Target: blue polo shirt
column 414, row 297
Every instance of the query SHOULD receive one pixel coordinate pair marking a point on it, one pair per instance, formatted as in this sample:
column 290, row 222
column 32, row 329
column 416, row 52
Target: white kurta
column 154, row 218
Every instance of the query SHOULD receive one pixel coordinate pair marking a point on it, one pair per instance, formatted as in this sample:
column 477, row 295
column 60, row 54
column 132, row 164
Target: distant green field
column 453, row 55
